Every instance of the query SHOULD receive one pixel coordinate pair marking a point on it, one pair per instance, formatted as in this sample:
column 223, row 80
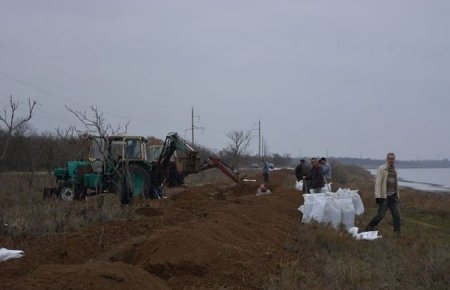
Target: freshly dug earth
column 221, row 236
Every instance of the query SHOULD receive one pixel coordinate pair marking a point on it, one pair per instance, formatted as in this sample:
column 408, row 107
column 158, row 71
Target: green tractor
column 119, row 164
column 113, row 163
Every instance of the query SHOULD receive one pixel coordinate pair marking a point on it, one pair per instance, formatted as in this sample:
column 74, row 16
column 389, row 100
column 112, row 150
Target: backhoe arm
column 214, row 162
column 174, row 143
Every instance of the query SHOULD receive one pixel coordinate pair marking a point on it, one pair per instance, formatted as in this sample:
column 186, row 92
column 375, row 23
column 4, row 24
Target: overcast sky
column 344, row 78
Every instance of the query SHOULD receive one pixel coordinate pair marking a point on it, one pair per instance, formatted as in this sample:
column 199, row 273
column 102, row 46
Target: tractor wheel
column 71, row 193
column 67, row 193
column 134, row 181
column 122, row 188
column 140, row 180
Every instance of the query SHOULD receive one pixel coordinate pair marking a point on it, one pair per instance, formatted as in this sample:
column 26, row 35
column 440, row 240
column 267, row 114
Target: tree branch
column 10, row 122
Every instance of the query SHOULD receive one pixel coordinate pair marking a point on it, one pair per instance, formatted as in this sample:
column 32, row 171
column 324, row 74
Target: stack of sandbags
column 332, row 207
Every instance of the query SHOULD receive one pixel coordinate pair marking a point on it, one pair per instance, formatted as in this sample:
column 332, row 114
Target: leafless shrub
column 239, row 142
column 12, row 123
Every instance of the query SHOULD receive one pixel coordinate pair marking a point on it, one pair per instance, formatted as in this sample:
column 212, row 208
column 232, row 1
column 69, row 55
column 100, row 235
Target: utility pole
column 259, row 139
column 263, row 147
column 193, row 127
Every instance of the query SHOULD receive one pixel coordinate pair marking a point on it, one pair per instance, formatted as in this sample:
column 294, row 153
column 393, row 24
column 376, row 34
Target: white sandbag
column 6, row 254
column 326, row 188
column 301, row 209
column 314, row 207
column 299, row 185
column 356, row 199
column 347, row 210
column 357, row 202
column 332, row 213
column 370, row 235
column 353, row 231
column 307, row 206
column 318, row 209
column 331, row 194
column 343, row 193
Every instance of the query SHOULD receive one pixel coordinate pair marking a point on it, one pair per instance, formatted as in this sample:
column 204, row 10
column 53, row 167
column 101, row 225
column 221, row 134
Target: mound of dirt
column 245, row 188
column 148, row 211
column 208, row 236
column 95, row 275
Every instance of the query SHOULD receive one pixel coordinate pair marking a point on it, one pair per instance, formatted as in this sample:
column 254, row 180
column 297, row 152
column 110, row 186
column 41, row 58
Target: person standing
column 316, row 177
column 266, row 171
column 301, row 171
column 387, row 194
column 326, row 169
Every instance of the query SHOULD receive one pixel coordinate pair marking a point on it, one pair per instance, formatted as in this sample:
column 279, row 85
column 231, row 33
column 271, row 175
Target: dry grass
column 330, row 259
column 326, row 258
column 24, row 213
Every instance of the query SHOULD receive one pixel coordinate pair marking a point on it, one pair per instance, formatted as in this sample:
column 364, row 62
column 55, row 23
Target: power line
column 73, row 77
column 55, row 116
column 37, row 88
column 7, row 76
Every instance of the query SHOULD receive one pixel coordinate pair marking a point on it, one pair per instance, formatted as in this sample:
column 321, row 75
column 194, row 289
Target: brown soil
column 205, row 237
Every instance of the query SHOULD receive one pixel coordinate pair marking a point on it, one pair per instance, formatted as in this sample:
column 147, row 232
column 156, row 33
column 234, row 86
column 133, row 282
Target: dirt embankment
column 200, row 237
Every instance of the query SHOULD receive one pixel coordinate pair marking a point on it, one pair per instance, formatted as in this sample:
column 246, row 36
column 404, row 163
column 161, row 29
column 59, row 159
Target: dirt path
column 200, row 237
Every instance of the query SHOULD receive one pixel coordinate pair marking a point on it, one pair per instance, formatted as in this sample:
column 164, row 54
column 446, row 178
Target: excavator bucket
column 188, row 162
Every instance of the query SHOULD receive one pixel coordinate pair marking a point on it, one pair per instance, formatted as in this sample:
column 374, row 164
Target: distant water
column 429, row 179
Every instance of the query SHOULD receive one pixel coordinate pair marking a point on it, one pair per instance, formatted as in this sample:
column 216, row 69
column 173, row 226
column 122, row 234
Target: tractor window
column 153, row 152
column 116, row 150
column 133, row 149
column 96, row 149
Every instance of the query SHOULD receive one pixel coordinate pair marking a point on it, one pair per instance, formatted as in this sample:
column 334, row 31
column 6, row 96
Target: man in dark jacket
column 300, row 172
column 266, row 171
column 316, row 177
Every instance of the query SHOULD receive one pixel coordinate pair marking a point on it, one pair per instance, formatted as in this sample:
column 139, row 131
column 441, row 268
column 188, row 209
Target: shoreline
column 416, row 190
column 421, row 186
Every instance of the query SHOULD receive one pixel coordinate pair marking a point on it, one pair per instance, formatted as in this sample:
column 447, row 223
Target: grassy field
column 418, row 259
column 323, row 257
column 25, row 215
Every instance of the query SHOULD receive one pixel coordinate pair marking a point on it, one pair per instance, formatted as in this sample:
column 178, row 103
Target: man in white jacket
column 387, row 194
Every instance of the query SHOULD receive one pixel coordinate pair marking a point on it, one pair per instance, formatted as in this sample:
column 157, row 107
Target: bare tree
column 69, row 134
column 33, row 153
column 239, row 142
column 8, row 118
column 96, row 124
